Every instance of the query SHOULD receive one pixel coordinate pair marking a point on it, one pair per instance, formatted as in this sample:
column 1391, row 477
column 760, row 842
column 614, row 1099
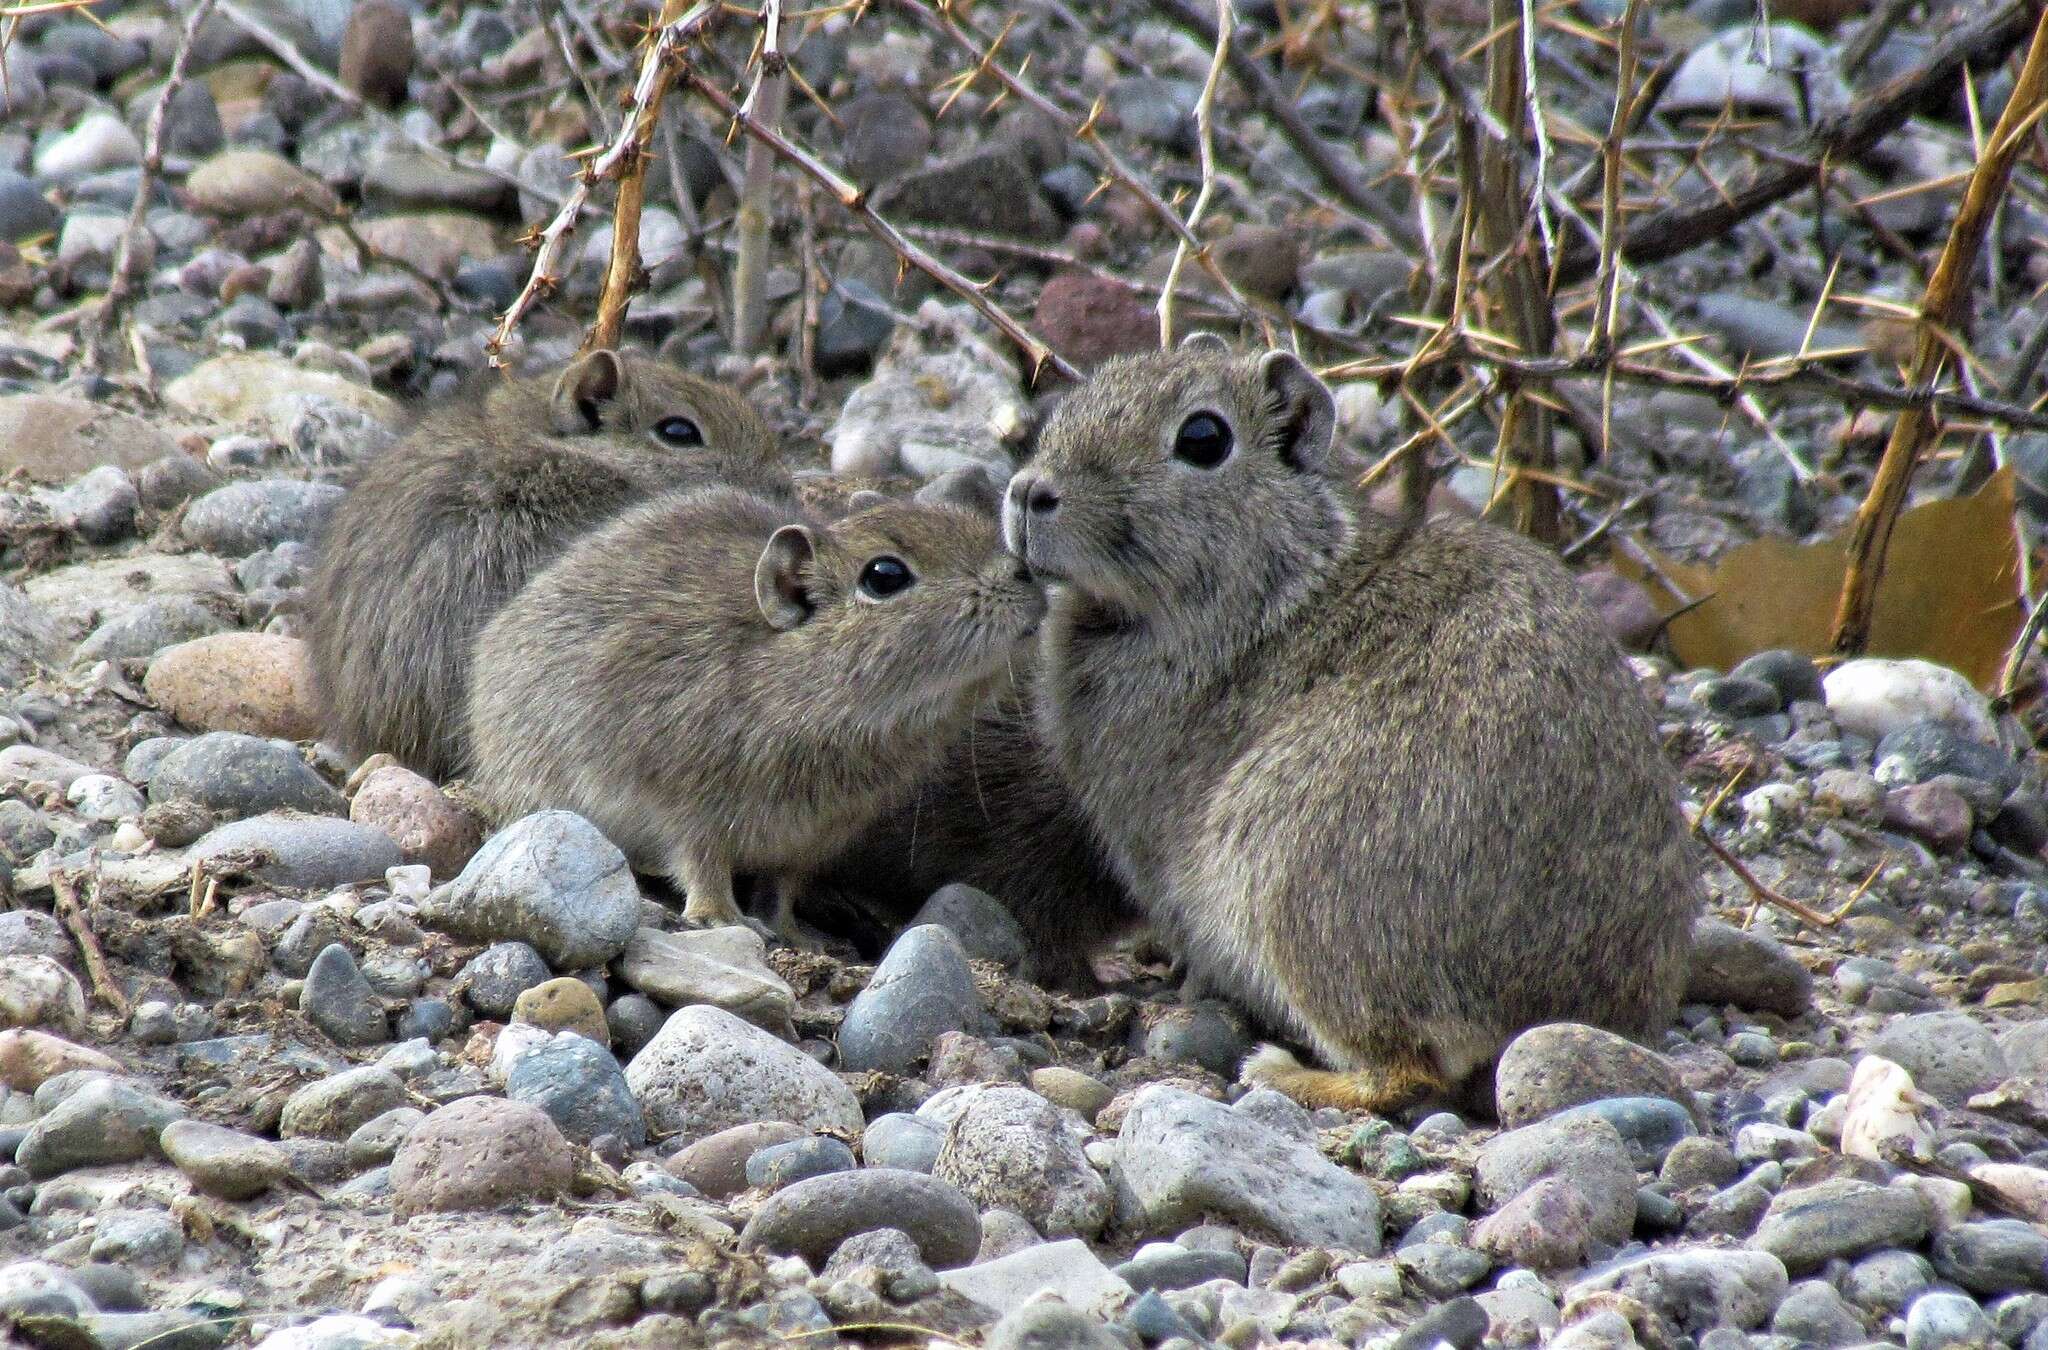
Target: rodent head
column 1173, row 480
column 643, row 411
column 907, row 607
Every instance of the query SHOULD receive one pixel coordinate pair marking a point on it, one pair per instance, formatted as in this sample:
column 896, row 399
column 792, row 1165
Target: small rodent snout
column 1034, row 495
column 1022, row 573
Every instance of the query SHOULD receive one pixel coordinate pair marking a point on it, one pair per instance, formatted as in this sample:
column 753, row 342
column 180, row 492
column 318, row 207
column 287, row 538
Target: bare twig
column 756, row 207
column 855, row 200
column 1942, row 311
column 126, row 264
column 1804, row 913
column 1278, row 104
column 1205, row 133
column 664, row 47
column 2022, row 647
column 1710, row 213
column 64, row 885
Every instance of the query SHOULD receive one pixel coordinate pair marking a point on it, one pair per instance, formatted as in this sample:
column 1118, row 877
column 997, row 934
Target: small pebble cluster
column 296, row 1054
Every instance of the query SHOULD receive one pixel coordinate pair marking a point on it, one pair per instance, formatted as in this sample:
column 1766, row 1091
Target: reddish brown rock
column 429, row 827
column 376, row 51
column 28, row 1058
column 257, row 683
column 481, row 1153
column 1547, row 1227
column 1934, row 813
column 1088, row 319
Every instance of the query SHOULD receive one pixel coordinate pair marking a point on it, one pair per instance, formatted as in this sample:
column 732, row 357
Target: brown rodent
column 443, row 528
column 1387, row 782
column 722, row 690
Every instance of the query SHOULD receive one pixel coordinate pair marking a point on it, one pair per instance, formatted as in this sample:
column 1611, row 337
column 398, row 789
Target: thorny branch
column 663, row 55
column 1942, row 311
column 750, row 266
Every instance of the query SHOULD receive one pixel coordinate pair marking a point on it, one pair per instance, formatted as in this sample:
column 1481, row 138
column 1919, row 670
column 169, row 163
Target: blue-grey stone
column 550, row 880
column 1927, row 750
column 922, row 988
column 903, row 1141
column 1940, row 1320
column 308, row 853
column 337, row 999
column 1648, row 1126
column 427, row 1019
column 103, row 1121
column 780, row 1165
column 237, row 775
column 1999, row 1256
column 581, row 1087
column 986, row 928
column 1166, row 1265
column 1792, row 674
column 242, row 518
column 494, row 978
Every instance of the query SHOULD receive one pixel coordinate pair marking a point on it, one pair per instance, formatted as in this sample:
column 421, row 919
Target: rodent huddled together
column 1384, row 783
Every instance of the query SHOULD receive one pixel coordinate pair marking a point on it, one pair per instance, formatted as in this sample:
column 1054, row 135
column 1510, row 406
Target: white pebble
column 1876, row 696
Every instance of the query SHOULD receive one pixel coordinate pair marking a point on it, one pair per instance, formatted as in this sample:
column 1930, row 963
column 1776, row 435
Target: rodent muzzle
column 1029, row 499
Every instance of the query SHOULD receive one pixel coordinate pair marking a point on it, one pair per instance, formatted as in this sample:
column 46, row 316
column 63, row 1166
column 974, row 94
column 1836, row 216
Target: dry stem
column 1943, row 310
column 628, row 147
column 1205, row 132
column 125, row 266
column 756, row 208
column 65, row 887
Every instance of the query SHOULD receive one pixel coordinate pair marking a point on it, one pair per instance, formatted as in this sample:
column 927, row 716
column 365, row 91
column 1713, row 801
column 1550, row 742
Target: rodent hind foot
column 1379, row 1089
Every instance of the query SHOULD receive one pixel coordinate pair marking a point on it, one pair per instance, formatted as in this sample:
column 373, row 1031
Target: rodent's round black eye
column 885, row 576
column 678, row 431
column 1204, row 441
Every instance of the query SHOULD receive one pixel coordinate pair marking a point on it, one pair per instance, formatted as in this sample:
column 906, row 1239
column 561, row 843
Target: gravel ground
column 334, row 1070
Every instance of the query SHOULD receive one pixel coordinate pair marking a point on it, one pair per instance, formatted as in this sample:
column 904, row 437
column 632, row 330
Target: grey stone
column 922, row 987
column 899, row 1139
column 24, row 832
column 1180, row 1156
column 31, row 932
column 550, row 880
column 103, row 1121
column 581, row 1087
column 1548, row 1068
column 149, row 627
column 1885, row 1282
column 717, row 1164
column 784, row 1164
column 1050, row 1326
column 725, row 967
column 1946, row 1321
column 1207, row 1033
column 376, row 1142
column 241, row 518
column 1586, row 1151
column 1442, row 1269
column 1748, row 968
column 24, row 211
column 706, row 1069
column 1792, row 674
column 1067, row 1270
column 495, row 977
column 172, row 480
column 29, row 640
column 1814, row 1314
column 101, row 507
column 1460, row 1323
column 337, row 999
column 1697, row 1287
column 237, row 775
column 1926, row 750
column 811, row 1218
column 633, row 1020
column 304, row 852
column 335, row 1107
column 1167, row 1265
column 1950, row 1055
column 1811, row 1225
column 1737, row 697
column 1009, row 1148
column 138, row 1238
column 1650, row 1126
column 984, row 925
column 2000, row 1256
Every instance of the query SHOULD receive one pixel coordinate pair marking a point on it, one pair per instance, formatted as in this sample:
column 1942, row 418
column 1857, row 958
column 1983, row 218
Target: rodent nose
column 1041, row 498
column 1023, row 573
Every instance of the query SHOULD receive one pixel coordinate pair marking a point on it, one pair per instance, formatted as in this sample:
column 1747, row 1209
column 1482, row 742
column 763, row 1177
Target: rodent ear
column 779, row 578
column 592, row 383
column 1302, row 413
column 1205, row 342
column 966, row 487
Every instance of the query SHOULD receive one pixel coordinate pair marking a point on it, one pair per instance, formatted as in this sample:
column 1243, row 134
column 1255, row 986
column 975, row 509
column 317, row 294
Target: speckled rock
column 480, row 1153
column 1548, row 1068
column 707, row 1069
column 1009, row 1148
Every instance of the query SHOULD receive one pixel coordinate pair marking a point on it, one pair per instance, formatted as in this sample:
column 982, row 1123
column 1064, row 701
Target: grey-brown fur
column 1389, row 785
column 705, row 681
column 442, row 529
